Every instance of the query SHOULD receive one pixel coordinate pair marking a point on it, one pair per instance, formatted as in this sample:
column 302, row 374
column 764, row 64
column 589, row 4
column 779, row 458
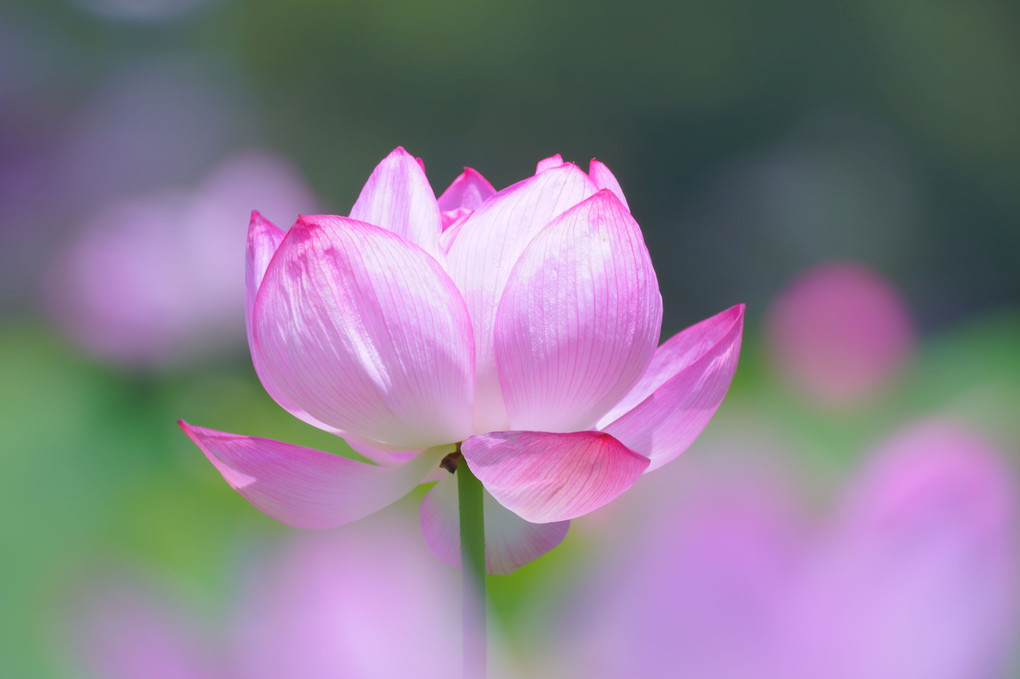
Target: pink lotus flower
column 518, row 328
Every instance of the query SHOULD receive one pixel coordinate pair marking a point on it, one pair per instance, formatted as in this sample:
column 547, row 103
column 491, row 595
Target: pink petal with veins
column 264, row 238
column 681, row 390
column 484, row 253
column 604, row 179
column 465, row 195
column 548, row 163
column 304, row 487
column 545, row 477
column 365, row 332
column 579, row 319
column 398, row 197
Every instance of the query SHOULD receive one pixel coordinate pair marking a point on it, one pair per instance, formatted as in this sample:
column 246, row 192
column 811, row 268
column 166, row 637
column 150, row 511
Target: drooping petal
column 545, row 477
column 510, row 541
column 398, row 197
column 485, row 251
column 366, row 332
column 579, row 319
column 604, row 179
column 548, row 163
column 304, row 487
column 464, row 196
column 681, row 390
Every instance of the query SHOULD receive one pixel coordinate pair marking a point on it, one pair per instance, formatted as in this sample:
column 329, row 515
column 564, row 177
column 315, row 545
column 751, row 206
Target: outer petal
column 681, row 390
column 303, row 487
column 264, row 238
column 579, row 320
column 604, row 179
column 510, row 541
column 398, row 197
column 485, row 250
column 545, row 477
column 465, row 195
column 548, row 163
column 367, row 333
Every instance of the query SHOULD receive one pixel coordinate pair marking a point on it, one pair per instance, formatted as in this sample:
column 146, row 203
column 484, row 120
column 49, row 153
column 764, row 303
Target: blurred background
column 849, row 170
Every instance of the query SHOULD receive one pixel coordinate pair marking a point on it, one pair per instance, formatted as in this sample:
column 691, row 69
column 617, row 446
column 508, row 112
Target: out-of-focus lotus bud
column 839, row 333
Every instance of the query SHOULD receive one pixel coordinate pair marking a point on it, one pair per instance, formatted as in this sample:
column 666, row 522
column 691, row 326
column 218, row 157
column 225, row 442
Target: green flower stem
column 472, row 550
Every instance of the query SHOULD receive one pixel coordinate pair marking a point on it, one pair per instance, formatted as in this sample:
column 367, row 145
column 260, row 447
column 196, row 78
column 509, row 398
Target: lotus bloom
column 515, row 331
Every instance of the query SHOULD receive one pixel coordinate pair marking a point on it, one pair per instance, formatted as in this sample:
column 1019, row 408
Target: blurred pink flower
column 839, row 333
column 919, row 575
column 154, row 279
column 914, row 578
column 123, row 629
column 692, row 595
column 522, row 323
column 320, row 606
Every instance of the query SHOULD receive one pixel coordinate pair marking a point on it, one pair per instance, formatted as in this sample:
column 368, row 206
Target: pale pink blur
column 839, row 333
column 157, row 278
column 911, row 576
column 125, row 629
column 368, row 601
column 918, row 575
